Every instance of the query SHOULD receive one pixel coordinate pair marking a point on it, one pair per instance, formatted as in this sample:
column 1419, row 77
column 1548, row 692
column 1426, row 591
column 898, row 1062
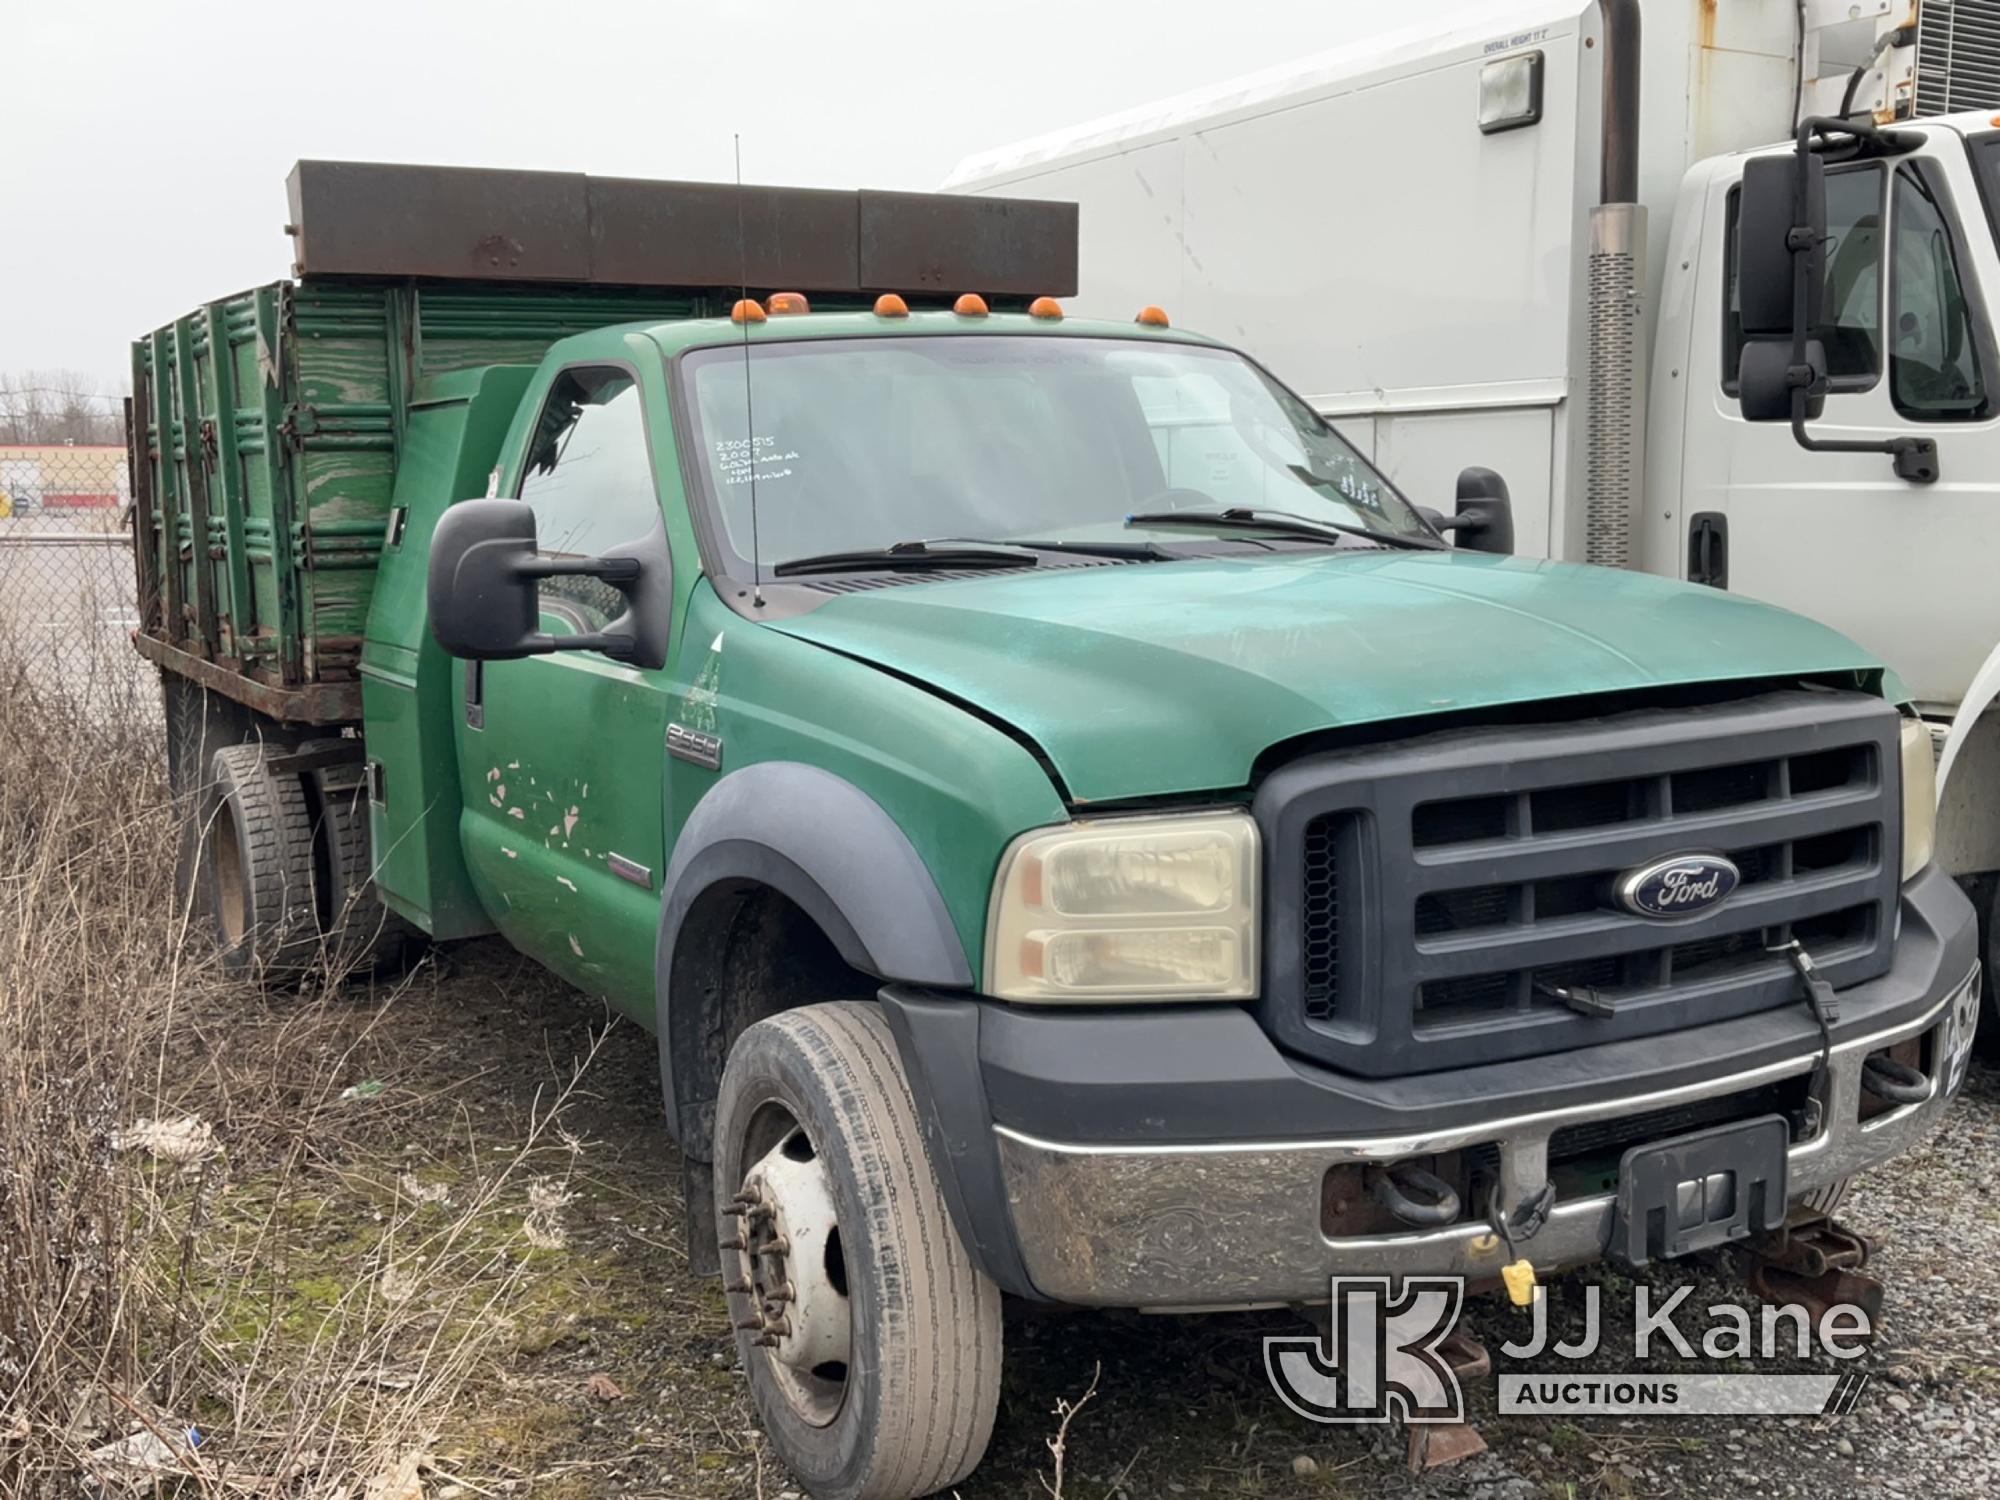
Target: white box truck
column 1517, row 242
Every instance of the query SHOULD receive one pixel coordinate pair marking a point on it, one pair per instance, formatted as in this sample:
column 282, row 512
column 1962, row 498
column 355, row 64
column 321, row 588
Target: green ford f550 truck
column 1076, row 830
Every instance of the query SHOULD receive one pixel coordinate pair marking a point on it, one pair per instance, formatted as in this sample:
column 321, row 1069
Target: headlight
column 1919, row 796
column 1127, row 909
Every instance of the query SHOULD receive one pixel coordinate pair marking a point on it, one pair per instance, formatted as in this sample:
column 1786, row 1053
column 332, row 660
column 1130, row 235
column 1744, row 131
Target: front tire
column 871, row 1341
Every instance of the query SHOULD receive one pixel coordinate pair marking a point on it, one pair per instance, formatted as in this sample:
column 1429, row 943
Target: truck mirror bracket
column 1485, row 514
column 482, row 588
column 1915, row 458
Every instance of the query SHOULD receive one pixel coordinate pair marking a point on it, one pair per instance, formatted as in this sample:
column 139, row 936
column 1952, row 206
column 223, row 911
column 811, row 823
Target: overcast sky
column 146, row 143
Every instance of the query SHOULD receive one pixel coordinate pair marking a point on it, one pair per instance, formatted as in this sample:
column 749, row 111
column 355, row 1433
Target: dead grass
column 221, row 1270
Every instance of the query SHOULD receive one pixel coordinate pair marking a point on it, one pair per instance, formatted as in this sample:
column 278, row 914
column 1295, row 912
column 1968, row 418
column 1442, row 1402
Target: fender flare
column 830, row 848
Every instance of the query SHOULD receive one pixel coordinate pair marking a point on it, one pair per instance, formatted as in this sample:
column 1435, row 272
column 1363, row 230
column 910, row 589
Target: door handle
column 1708, row 549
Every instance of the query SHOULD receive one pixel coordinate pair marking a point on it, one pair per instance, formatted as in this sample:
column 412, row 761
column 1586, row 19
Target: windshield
column 864, row 443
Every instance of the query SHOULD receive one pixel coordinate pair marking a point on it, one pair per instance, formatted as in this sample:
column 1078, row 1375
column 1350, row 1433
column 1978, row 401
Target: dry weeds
column 179, row 1307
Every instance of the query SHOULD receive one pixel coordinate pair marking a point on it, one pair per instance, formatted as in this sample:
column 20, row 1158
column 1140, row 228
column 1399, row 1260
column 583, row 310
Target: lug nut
column 733, row 1243
column 739, row 1286
column 748, row 1324
column 777, row 1245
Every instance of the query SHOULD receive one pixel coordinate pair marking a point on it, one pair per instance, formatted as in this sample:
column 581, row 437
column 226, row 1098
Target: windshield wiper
column 1133, row 551
column 1252, row 518
column 905, row 555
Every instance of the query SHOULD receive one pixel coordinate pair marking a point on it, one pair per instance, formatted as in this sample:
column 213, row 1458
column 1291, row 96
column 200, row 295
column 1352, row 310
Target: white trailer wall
column 1343, row 219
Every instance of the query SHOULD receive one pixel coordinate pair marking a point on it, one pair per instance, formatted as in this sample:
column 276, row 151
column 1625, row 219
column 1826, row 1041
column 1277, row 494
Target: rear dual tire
column 284, row 870
column 360, row 932
column 257, row 838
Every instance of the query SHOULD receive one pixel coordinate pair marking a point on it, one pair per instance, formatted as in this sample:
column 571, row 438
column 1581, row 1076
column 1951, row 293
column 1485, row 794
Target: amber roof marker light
column 788, row 303
column 1046, row 307
column 1152, row 317
column 889, row 305
column 747, row 310
column 971, row 305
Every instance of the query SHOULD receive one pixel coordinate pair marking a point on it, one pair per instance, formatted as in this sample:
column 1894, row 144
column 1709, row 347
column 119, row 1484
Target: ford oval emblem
column 1684, row 885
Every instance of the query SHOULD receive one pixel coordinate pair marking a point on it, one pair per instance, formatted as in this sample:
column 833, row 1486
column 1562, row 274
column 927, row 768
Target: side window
column 589, row 480
column 1851, row 318
column 1934, row 372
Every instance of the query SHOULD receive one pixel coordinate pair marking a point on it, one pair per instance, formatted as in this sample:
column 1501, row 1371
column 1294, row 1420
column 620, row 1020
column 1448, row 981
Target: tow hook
column 1817, row 1265
column 1897, row 1082
column 1432, row 1445
column 1413, row 1195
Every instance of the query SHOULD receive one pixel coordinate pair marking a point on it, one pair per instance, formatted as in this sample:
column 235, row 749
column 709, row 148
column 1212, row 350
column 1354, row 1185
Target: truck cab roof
column 698, row 333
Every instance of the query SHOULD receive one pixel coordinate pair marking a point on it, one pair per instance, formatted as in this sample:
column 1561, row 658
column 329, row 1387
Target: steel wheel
column 791, row 1270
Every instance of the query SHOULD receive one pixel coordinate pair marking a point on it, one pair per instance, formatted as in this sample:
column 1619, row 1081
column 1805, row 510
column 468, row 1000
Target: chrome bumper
column 1197, row 1225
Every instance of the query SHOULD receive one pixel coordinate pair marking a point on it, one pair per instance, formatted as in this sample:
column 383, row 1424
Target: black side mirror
column 1777, row 260
column 1764, row 380
column 484, row 589
column 1781, row 374
column 1485, row 518
column 1773, row 249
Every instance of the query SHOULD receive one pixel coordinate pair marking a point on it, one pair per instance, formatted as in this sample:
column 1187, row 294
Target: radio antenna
column 749, row 411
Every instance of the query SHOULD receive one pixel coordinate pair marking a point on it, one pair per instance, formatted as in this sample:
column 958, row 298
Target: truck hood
column 1150, row 679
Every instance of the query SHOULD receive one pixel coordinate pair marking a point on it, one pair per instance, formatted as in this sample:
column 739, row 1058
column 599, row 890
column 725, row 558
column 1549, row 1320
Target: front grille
column 1600, row 1138
column 1455, row 898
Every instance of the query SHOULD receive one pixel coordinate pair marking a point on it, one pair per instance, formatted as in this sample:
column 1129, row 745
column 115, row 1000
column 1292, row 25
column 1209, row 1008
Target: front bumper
column 1173, row 1158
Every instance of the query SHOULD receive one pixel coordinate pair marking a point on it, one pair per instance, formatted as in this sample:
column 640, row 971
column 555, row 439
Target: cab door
column 1904, row 568
column 560, row 756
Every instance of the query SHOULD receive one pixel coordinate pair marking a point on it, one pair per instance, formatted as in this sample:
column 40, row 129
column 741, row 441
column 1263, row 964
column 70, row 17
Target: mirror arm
column 612, row 570
column 607, row 569
column 620, row 646
column 1916, row 458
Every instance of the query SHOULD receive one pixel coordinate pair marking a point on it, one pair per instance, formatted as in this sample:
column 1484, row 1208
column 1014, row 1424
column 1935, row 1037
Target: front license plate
column 1701, row 1190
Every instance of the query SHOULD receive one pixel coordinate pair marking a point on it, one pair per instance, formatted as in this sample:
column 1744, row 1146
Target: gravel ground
column 1180, row 1405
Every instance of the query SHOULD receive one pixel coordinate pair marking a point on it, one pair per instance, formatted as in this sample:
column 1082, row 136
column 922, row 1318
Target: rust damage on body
column 311, row 703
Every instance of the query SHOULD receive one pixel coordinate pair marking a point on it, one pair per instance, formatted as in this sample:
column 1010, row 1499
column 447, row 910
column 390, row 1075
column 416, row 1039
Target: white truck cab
column 1513, row 243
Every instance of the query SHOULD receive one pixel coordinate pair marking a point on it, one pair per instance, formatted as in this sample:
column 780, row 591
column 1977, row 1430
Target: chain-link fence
column 67, row 589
